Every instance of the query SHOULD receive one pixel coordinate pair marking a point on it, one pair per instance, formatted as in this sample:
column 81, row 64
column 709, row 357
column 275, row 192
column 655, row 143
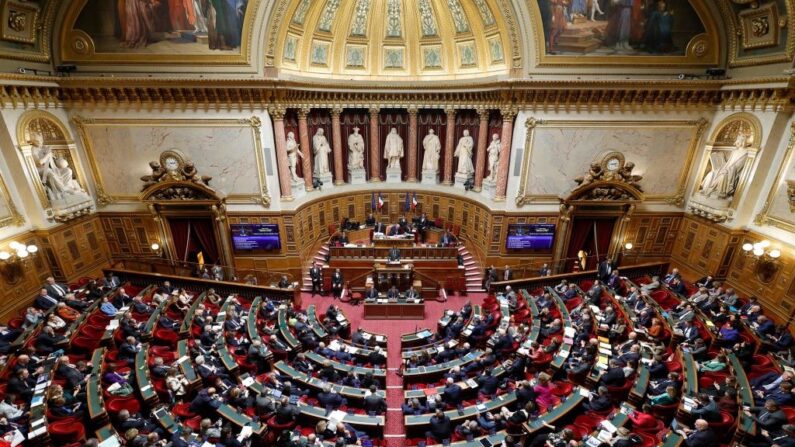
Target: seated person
column 370, row 221
column 393, row 293
column 394, row 230
column 343, row 239
column 394, row 255
column 284, row 283
column 446, row 238
column 412, row 293
column 371, row 293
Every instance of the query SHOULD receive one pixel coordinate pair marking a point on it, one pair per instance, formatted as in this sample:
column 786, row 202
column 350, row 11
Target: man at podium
column 394, row 255
column 394, row 230
column 393, row 293
column 370, row 221
column 412, row 293
column 446, row 239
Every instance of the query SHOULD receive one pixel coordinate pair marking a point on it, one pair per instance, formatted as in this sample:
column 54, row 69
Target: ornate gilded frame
column 764, row 217
column 103, row 198
column 702, row 50
column 753, row 151
column 698, row 128
column 734, row 28
column 65, row 148
column 13, row 217
column 77, row 46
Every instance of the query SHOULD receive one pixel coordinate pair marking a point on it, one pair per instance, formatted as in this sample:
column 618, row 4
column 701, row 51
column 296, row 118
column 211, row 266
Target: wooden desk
column 426, row 252
column 148, row 393
column 394, row 242
column 394, row 311
column 361, row 236
column 419, row 338
column 418, row 424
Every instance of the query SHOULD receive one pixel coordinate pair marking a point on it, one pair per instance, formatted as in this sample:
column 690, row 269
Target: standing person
column 336, row 283
column 316, row 274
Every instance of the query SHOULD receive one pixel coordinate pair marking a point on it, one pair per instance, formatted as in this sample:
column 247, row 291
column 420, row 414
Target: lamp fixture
column 761, row 250
column 156, row 249
column 17, row 252
column 628, row 246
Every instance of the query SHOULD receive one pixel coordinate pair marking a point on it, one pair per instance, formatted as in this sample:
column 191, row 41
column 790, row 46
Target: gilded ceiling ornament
column 427, row 20
column 393, row 25
column 359, row 25
column 300, row 12
column 485, row 12
column 327, row 18
column 791, row 194
column 459, row 18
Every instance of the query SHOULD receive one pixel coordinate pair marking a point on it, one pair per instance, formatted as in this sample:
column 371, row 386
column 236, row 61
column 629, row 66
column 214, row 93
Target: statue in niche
column 293, row 152
column 464, row 153
column 55, row 173
column 433, row 150
column 321, row 149
column 393, row 149
column 722, row 180
column 494, row 157
column 355, row 150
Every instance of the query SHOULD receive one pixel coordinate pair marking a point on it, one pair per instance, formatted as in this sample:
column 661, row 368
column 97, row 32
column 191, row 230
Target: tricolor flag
column 372, row 202
column 414, row 202
column 407, row 204
column 380, row 201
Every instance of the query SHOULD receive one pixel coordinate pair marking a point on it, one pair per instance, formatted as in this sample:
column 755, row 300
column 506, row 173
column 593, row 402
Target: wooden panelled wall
column 652, row 236
column 703, row 247
column 67, row 252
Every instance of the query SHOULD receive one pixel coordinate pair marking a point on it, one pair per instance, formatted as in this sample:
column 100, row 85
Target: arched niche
column 44, row 142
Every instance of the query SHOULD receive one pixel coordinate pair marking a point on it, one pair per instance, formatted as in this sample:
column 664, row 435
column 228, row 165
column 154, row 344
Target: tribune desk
column 383, row 309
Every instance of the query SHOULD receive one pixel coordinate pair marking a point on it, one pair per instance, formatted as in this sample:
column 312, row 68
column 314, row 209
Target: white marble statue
column 355, row 150
column 45, row 165
column 433, row 150
column 62, row 174
column 464, row 153
column 722, row 180
column 321, row 149
column 494, row 157
column 293, row 152
column 393, row 149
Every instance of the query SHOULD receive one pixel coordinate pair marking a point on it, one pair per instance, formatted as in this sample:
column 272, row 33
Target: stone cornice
column 83, row 92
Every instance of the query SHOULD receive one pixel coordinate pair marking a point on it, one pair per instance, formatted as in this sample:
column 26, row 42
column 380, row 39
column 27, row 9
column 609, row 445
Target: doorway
column 591, row 235
column 194, row 239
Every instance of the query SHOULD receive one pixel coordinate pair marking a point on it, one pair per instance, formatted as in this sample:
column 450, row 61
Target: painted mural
column 618, row 27
column 164, row 26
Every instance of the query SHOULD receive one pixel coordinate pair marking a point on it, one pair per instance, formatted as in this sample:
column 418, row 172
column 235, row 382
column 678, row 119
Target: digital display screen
column 537, row 237
column 248, row 237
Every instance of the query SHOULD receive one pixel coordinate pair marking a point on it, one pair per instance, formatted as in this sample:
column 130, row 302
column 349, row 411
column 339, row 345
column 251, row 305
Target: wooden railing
column 192, row 269
column 223, row 288
column 632, row 272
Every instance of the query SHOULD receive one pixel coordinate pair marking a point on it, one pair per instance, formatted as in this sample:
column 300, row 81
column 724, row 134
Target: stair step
column 470, row 273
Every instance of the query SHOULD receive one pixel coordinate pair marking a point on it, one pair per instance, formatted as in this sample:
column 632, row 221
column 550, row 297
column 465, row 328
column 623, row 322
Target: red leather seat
column 790, row 412
column 183, row 411
column 562, row 388
column 647, row 440
column 762, row 361
column 116, row 404
column 665, row 412
column 589, row 420
column 66, row 431
column 674, row 366
column 619, row 394
column 165, row 337
column 194, row 423
column 579, row 431
column 658, row 427
column 274, row 430
column 723, row 428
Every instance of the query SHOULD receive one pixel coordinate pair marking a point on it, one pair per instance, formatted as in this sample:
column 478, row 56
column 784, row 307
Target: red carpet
column 394, row 432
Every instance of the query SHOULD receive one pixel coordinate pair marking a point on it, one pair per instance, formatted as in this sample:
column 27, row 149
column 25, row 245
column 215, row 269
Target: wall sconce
column 791, row 194
column 157, row 249
column 766, row 259
column 628, row 246
column 19, row 252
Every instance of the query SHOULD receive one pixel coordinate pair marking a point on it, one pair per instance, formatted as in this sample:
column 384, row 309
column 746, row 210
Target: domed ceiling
column 395, row 38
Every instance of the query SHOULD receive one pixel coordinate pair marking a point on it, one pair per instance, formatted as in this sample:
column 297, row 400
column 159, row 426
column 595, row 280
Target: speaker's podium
column 401, row 308
column 391, row 274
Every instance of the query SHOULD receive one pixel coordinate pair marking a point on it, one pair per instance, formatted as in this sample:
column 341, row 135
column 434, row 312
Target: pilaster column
column 483, row 138
column 277, row 115
column 336, row 147
column 306, row 149
column 375, row 142
column 508, row 115
column 449, row 146
column 412, row 158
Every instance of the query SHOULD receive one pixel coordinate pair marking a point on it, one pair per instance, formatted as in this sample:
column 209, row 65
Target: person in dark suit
column 488, row 383
column 336, row 283
column 205, row 403
column 600, row 401
column 393, row 293
column 452, row 393
column 316, row 274
column 47, row 341
column 769, row 418
column 73, row 376
column 122, row 299
column 446, row 238
column 605, row 269
column 441, row 427
column 701, row 436
column 705, row 281
column 128, row 350
column 393, row 230
column 394, row 255
column 423, row 222
column 544, row 270
column 614, row 376
column 55, row 290
column 44, row 300
column 489, row 276
column 343, row 239
column 376, row 357
column 22, row 385
column 370, row 221
column 404, row 224
column 284, row 283
column 412, row 293
column 374, row 404
column 371, row 293
column 111, row 281
column 328, row 398
column 380, row 227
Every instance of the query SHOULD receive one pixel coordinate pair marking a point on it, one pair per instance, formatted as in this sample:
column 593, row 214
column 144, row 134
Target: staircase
column 320, row 257
column 473, row 273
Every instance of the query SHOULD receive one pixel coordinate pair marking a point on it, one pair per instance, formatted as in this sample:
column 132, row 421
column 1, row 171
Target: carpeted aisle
column 394, row 433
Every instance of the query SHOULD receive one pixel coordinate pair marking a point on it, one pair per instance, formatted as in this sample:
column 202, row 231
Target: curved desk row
column 434, row 372
column 350, row 393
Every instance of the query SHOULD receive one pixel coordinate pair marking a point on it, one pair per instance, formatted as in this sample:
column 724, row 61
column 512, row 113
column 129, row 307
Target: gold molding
column 103, row 198
column 677, row 198
column 764, row 217
column 702, row 50
column 43, row 38
column 734, row 29
column 76, row 46
column 14, row 217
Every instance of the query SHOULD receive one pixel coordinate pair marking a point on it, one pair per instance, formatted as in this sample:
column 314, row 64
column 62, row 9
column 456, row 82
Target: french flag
column 380, row 201
column 414, row 202
column 372, row 202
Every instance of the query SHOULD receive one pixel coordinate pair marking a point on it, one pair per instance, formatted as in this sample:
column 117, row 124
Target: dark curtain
column 180, row 236
column 202, row 229
column 604, row 234
column 581, row 230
